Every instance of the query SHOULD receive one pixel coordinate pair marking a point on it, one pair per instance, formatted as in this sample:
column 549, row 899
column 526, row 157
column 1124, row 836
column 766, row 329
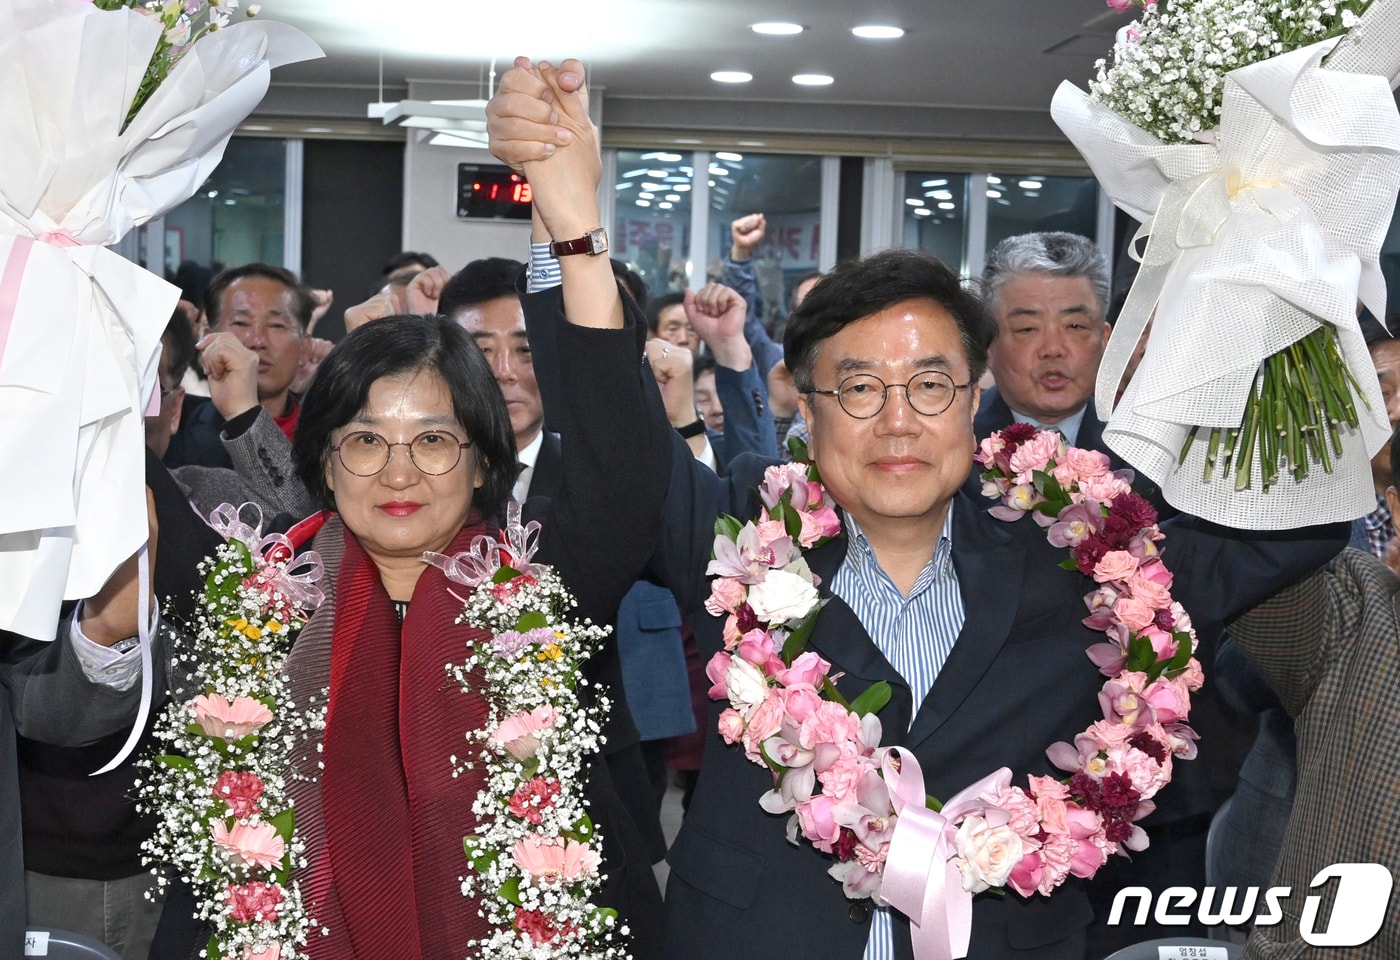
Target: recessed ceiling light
column 673, row 197
column 664, row 205
column 643, row 203
column 682, row 187
column 942, row 194
column 731, row 76
column 934, row 183
column 945, row 205
column 635, row 173
column 813, row 79
column 878, row 32
column 913, row 201
column 923, row 212
column 1029, row 184
column 994, row 194
column 653, row 186
column 717, row 171
column 658, row 174
column 993, row 178
column 626, row 186
column 731, row 157
column 647, row 196
column 663, row 157
column 777, row 28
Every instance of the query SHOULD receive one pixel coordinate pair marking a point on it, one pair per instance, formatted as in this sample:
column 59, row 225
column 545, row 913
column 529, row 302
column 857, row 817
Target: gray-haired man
column 1048, row 293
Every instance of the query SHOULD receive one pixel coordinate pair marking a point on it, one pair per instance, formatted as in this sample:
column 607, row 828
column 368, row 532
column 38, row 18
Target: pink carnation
column 534, row 797
column 830, row 723
column 1023, row 811
column 253, row 901
column 241, row 790
column 1035, row 454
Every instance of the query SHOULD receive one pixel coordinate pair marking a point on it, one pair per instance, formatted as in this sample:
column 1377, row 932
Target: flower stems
column 1301, row 400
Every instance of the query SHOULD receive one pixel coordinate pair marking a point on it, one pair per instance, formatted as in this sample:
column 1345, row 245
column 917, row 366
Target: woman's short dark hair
column 392, row 347
column 859, row 288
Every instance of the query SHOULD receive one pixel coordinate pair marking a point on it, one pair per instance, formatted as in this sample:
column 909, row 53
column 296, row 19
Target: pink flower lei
column 865, row 804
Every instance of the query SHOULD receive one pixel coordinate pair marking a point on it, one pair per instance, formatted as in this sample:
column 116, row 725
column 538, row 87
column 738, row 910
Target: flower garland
column 534, row 854
column 849, row 796
column 218, row 788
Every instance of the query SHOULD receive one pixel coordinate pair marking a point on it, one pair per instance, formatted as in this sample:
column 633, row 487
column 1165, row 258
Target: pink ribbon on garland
column 921, row 880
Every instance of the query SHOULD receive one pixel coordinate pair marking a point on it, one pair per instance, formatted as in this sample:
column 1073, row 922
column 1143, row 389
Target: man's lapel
column 991, row 568
column 840, row 638
column 549, row 467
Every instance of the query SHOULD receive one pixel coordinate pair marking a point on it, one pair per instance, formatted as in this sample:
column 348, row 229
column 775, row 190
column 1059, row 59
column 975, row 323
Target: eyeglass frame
column 885, row 394
column 389, row 455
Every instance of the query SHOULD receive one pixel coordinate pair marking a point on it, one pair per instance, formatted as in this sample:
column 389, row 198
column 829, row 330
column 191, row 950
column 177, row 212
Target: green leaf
column 727, row 526
column 872, row 699
column 1070, row 564
column 283, row 824
column 583, row 827
column 511, row 890
column 1183, row 651
column 832, row 694
column 797, row 640
column 798, row 448
column 504, row 574
column 531, row 620
column 175, row 762
column 1141, row 656
column 792, row 521
column 480, row 859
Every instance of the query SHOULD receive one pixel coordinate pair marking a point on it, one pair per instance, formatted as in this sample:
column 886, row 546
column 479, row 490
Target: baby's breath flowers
column 1168, row 77
column 218, row 787
column 183, row 22
column 535, row 853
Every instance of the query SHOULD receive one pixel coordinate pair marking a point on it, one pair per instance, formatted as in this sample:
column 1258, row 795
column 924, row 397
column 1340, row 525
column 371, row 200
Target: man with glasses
column 969, row 619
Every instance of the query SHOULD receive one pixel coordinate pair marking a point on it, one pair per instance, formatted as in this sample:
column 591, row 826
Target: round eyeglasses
column 863, row 395
column 365, row 453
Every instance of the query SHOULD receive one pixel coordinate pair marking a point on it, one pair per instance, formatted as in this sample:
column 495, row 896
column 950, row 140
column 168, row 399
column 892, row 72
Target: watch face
column 597, row 241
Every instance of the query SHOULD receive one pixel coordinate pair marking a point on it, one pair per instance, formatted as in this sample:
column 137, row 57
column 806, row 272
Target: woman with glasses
column 405, row 440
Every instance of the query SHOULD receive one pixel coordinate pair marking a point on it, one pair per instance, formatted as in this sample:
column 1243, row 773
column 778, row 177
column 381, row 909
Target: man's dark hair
column 392, row 347
column 631, row 281
column 178, row 343
column 302, row 300
column 479, row 281
column 1395, row 459
column 657, row 304
column 703, row 362
column 409, row 258
column 859, row 288
column 1372, row 331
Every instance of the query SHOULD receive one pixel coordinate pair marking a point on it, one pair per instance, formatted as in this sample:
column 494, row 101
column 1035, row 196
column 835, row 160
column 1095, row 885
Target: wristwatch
column 592, row 243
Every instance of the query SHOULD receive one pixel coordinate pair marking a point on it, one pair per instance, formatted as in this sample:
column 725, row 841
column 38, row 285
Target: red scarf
column 395, row 816
column 288, row 421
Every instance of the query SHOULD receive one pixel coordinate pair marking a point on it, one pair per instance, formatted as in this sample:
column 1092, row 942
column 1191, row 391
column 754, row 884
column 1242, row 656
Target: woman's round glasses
column 365, row 453
column 863, row 395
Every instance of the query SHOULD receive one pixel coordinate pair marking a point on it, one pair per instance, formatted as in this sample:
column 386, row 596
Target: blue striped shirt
column 915, row 633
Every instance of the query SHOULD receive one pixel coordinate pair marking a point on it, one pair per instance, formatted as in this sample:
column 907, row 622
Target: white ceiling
column 965, row 68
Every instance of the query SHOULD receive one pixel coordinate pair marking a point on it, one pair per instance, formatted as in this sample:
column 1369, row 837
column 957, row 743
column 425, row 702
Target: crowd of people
column 627, row 424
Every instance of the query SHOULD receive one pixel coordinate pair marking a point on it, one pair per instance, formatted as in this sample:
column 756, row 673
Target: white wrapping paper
column 1257, row 239
column 79, row 325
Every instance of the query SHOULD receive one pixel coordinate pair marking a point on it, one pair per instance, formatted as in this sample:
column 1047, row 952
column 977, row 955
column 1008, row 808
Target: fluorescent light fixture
column 664, row 205
column 934, row 183
column 636, row 173
column 777, row 28
column 913, row 201
column 663, row 157
column 648, row 185
column 730, row 157
column 658, row 174
column 625, row 186
column 647, row 196
column 945, row 205
column 993, row 178
column 878, row 32
column 923, row 212
column 673, row 197
column 731, row 76
column 456, row 122
column 1029, row 184
column 717, row 171
column 994, row 194
column 942, row 194
column 813, row 79
column 643, row 203
column 682, row 187
column 1004, row 203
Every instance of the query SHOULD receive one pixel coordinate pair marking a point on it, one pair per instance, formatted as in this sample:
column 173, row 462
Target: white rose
column 782, row 596
column 747, row 688
column 986, row 854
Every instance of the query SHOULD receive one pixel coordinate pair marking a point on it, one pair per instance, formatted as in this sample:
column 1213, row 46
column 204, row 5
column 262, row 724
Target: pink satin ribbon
column 486, row 555
column 296, row 580
column 921, row 881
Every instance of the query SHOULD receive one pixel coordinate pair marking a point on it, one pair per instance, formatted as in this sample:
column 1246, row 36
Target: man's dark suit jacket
column 1016, row 681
